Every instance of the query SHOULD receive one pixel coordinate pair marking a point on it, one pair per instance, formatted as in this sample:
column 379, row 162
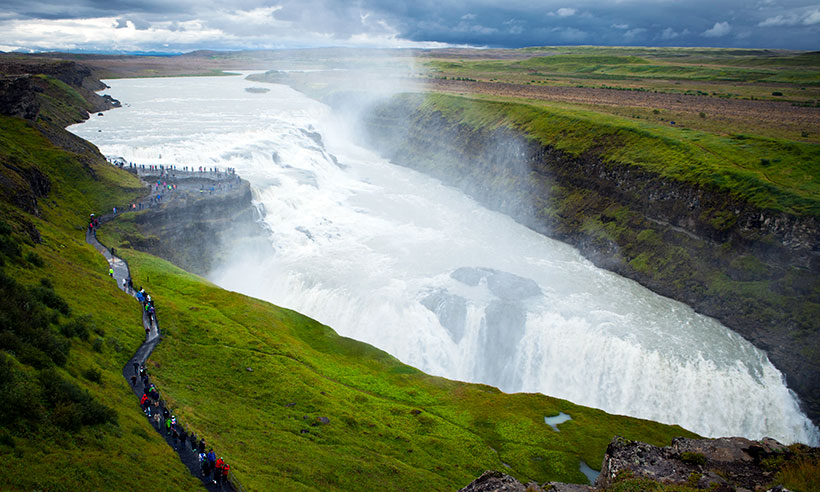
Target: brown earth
column 779, row 114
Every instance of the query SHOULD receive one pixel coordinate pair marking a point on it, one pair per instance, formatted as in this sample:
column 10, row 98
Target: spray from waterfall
column 399, row 260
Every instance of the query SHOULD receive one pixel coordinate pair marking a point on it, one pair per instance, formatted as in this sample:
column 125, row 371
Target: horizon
column 378, row 48
column 127, row 27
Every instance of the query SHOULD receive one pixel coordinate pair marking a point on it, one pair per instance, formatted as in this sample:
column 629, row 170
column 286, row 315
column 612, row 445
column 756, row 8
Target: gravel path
column 153, row 336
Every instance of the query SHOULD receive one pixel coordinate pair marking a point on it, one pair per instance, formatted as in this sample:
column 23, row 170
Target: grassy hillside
column 761, row 72
column 770, row 173
column 255, row 379
column 69, row 420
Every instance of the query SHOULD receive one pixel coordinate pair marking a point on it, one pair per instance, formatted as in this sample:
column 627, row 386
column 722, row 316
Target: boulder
column 495, row 481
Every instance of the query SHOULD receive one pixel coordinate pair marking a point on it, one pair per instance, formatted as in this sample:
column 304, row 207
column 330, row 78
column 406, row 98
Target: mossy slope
column 255, row 379
column 70, row 422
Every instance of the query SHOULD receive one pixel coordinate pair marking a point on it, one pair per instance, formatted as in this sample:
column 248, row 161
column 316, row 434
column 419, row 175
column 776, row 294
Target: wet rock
column 511, row 287
column 728, row 463
column 495, row 481
column 291, row 404
column 304, row 231
column 323, row 420
column 315, row 136
column 468, row 275
column 505, row 285
column 415, row 412
column 249, row 369
column 567, row 487
column 705, row 228
column 451, row 311
column 505, row 324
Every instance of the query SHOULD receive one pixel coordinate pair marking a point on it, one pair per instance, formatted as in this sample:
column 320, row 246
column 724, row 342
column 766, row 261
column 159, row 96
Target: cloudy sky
column 185, row 25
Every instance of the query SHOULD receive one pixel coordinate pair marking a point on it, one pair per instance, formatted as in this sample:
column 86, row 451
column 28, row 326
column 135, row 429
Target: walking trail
column 121, row 272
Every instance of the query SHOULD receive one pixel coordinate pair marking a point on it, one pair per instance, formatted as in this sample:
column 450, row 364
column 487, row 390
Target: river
column 394, row 258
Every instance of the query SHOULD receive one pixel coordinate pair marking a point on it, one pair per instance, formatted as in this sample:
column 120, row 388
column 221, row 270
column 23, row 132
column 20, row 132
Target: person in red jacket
column 226, row 468
column 218, row 470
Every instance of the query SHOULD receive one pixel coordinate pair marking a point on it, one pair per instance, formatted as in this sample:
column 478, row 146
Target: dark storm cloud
column 777, row 24
column 513, row 23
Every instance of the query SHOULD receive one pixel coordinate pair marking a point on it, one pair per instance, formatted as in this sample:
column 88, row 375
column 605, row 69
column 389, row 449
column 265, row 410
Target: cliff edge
column 755, row 269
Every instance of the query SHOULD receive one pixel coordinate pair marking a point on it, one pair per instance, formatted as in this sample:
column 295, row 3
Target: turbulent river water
column 396, row 259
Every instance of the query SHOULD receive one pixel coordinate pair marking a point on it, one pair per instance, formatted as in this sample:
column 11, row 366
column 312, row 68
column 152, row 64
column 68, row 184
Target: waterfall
column 394, row 258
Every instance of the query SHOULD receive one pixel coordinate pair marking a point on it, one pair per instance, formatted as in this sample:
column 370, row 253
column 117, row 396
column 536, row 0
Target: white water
column 371, row 250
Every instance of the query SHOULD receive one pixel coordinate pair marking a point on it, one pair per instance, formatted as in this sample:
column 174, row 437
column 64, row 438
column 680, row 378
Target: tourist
column 218, row 471
column 226, row 469
column 204, row 465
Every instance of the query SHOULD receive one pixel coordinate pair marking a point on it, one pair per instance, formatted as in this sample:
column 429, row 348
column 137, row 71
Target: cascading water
column 394, row 258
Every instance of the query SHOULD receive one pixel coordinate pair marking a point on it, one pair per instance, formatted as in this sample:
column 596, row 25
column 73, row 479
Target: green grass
column 391, row 427
column 376, row 438
column 769, row 173
column 42, row 448
column 623, row 63
column 800, row 475
column 702, row 71
column 41, row 455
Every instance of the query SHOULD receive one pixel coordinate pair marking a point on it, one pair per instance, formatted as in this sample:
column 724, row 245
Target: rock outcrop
column 726, row 464
column 730, row 463
column 48, row 95
column 25, row 83
column 197, row 231
column 495, row 481
column 756, row 270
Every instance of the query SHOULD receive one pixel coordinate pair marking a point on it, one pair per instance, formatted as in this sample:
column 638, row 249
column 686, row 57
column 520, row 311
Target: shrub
column 98, row 344
column 76, row 327
column 33, row 356
column 115, row 344
column 7, row 440
column 34, row 259
column 702, row 114
column 67, row 415
column 801, row 475
column 777, row 93
column 93, row 374
column 56, row 347
column 72, row 406
column 21, row 396
column 696, row 459
column 50, row 298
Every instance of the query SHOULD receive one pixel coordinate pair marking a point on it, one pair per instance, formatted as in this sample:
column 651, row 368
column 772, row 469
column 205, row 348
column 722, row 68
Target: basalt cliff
column 755, row 270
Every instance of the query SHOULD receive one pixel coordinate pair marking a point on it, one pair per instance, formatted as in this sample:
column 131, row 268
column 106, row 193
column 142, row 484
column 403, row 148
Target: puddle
column 555, row 420
column 589, row 472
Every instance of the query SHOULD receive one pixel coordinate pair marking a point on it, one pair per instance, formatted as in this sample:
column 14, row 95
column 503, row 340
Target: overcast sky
column 185, row 25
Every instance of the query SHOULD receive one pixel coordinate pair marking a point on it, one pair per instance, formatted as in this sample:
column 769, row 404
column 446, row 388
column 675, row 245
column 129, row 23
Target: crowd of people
column 148, row 306
column 211, row 467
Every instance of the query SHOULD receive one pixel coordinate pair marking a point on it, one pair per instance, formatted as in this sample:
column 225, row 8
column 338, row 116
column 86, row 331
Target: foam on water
column 394, row 258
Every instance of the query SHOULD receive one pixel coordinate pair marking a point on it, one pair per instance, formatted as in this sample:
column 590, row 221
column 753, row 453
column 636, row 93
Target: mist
column 396, row 259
